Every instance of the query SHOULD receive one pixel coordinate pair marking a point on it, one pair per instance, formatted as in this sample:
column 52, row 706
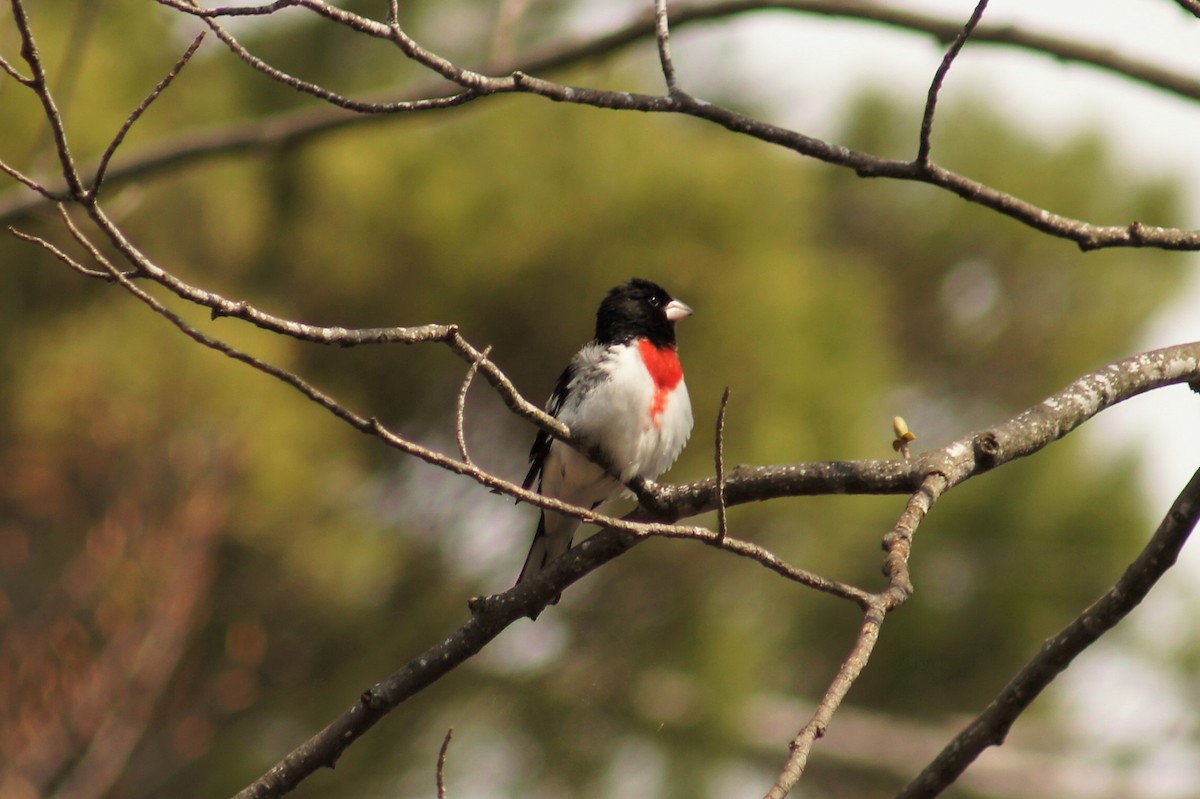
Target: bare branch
column 222, row 307
column 30, row 183
column 1086, row 235
column 847, row 673
column 493, row 614
column 897, row 544
column 474, row 82
column 77, row 234
column 137, row 113
column 360, row 423
column 489, row 617
column 108, row 269
column 37, row 82
column 302, row 125
column 939, row 78
column 719, row 456
column 447, row 334
column 1022, row 435
column 341, row 101
column 441, row 764
column 59, row 254
column 460, row 407
column 991, row 727
column 1027, row 433
column 769, row 561
column 14, row 73
column 662, row 34
column 228, row 11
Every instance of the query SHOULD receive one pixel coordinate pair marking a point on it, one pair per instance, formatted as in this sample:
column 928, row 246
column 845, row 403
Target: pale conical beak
column 677, row 310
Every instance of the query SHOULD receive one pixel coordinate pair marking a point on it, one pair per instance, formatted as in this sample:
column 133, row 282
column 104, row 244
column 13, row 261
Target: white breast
column 615, row 413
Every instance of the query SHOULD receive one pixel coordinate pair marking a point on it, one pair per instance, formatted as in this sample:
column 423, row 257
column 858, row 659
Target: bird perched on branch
column 624, row 394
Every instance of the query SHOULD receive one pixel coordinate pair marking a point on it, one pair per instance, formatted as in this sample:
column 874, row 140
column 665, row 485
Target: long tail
column 550, row 541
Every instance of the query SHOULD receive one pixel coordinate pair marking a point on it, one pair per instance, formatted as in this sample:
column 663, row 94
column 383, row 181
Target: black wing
column 543, row 440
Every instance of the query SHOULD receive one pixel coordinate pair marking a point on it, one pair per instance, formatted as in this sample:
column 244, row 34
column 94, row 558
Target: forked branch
column 991, row 727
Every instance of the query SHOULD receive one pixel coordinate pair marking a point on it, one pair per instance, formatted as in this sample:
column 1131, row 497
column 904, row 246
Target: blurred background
column 199, row 568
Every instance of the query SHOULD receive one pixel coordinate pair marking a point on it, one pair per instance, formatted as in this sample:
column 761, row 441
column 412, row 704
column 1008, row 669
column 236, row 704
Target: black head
column 639, row 309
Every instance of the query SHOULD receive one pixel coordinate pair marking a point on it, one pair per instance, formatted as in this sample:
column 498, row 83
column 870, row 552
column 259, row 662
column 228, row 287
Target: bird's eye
column 655, row 301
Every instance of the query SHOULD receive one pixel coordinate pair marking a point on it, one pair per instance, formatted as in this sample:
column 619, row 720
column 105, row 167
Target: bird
column 624, row 394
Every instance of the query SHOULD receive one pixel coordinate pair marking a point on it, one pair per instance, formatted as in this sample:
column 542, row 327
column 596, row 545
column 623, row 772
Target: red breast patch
column 665, row 370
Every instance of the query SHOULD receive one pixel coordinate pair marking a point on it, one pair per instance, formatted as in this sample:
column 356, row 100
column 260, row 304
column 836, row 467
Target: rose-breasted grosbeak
column 623, row 393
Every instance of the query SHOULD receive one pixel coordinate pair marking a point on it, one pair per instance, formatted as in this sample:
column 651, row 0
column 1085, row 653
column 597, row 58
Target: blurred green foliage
column 828, row 304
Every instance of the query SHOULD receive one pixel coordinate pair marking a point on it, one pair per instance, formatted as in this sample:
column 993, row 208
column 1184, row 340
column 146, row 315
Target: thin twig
column 14, row 73
column 719, row 457
column 108, row 268
column 897, row 543
column 40, row 86
column 447, row 334
column 320, row 92
column 662, row 34
column 940, row 76
column 768, row 560
column 460, row 407
column 220, row 306
column 102, row 168
column 991, row 727
column 1026, row 433
column 848, row 672
column 59, row 254
column 30, row 183
column 372, row 426
column 474, row 82
column 71, row 65
column 300, row 125
column 441, row 764
column 227, row 11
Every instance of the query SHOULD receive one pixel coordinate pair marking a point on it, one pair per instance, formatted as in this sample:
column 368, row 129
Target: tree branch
column 662, row 34
column 111, row 150
column 441, row 764
column 307, row 87
column 1022, row 435
column 991, row 727
column 897, row 544
column 939, row 78
column 719, row 457
column 300, row 126
column 943, row 470
column 460, row 408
